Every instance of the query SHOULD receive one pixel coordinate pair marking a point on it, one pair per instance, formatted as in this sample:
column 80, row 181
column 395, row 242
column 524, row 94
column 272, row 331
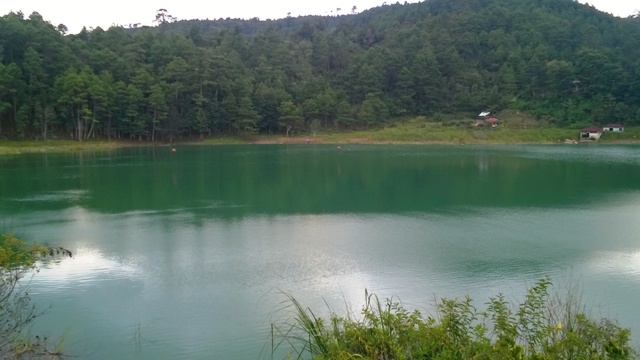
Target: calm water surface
column 185, row 255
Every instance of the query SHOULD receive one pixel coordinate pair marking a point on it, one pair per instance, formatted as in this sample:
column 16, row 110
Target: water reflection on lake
column 187, row 256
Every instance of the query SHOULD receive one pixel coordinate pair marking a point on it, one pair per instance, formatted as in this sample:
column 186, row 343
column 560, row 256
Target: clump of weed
column 547, row 324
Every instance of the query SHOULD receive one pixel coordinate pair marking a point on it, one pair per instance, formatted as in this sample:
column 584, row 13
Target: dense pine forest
column 565, row 63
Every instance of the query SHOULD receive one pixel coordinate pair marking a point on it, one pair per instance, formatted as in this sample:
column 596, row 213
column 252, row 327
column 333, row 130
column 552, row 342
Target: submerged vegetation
column 549, row 323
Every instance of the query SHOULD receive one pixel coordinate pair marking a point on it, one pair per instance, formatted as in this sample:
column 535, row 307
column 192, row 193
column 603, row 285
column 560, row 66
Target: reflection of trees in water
column 317, row 179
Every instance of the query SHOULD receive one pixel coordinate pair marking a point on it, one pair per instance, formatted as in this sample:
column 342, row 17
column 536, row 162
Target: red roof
column 592, row 129
column 614, row 126
column 492, row 120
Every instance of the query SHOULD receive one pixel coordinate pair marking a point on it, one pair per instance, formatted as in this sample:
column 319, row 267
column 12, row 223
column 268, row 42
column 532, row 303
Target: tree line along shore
column 565, row 64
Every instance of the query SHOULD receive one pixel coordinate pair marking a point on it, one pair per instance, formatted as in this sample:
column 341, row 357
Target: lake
column 189, row 254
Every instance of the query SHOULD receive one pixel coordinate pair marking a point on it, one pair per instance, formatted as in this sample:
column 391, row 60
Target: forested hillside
column 566, row 63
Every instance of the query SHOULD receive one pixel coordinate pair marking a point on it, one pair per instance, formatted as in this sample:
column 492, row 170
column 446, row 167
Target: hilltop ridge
column 564, row 63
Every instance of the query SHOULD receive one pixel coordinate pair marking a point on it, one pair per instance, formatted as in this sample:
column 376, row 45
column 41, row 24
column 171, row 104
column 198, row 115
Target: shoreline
column 17, row 147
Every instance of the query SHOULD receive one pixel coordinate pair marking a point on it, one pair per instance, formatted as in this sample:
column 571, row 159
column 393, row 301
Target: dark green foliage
column 561, row 61
column 543, row 327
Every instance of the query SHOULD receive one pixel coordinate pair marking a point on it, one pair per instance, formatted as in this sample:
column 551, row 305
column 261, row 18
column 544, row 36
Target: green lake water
column 185, row 255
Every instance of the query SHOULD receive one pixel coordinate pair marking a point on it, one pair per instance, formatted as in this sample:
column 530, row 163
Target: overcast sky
column 76, row 13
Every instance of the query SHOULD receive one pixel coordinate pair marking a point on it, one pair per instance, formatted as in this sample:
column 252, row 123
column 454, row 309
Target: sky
column 78, row 13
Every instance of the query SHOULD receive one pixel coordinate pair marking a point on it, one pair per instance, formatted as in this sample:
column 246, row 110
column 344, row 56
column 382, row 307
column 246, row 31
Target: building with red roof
column 591, row 133
column 613, row 127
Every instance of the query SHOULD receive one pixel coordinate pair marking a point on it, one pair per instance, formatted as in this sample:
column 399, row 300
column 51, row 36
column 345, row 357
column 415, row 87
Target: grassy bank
column 414, row 131
column 418, row 130
column 629, row 136
column 9, row 147
column 439, row 133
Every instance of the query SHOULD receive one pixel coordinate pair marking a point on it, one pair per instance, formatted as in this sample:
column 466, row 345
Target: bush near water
column 17, row 313
column 548, row 324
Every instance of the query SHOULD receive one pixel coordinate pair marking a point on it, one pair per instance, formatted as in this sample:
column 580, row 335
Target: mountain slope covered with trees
column 565, row 63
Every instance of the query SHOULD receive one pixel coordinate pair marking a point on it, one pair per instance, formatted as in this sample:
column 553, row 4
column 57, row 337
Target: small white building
column 613, row 127
column 591, row 133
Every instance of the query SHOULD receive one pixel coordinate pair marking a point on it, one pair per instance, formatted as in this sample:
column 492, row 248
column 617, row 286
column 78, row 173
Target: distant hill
column 566, row 63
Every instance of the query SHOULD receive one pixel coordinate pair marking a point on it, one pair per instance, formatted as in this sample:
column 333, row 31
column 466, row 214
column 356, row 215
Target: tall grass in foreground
column 545, row 325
